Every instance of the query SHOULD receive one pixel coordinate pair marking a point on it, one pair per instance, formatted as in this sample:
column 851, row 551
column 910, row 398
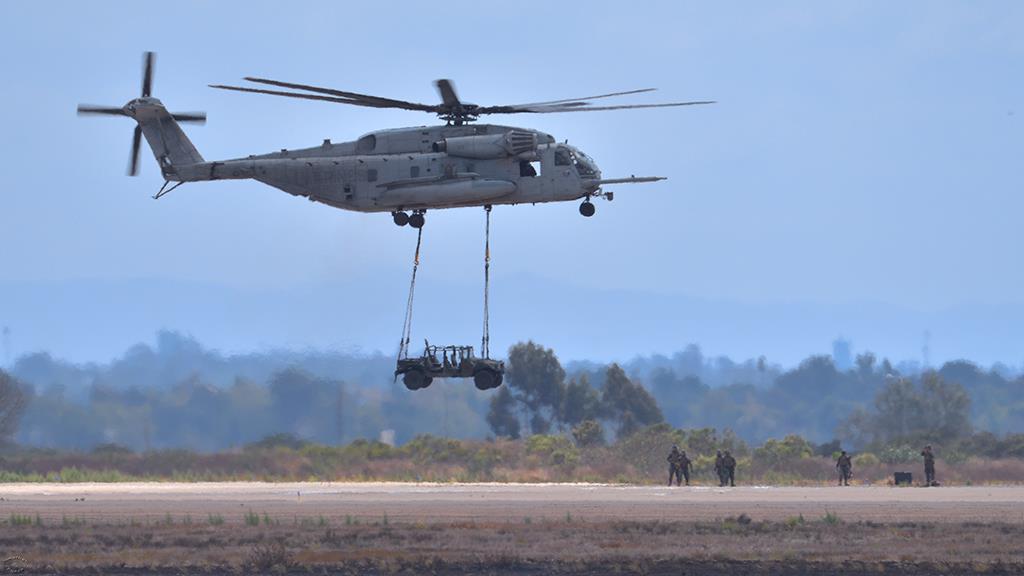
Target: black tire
column 417, row 220
column 486, row 379
column 401, row 218
column 587, row 209
column 415, row 379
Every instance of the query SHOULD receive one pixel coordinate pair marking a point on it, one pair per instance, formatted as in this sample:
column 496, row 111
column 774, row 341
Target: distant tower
column 842, row 356
column 7, row 346
column 926, row 350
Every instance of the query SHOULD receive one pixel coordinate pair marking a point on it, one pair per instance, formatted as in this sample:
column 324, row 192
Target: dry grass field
column 508, row 529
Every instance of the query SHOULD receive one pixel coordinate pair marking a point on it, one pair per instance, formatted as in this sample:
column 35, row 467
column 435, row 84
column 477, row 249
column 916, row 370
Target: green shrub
column 899, row 454
column 865, row 459
column 426, row 449
column 556, row 450
column 20, row 520
column 588, row 433
column 781, row 452
column 282, row 440
column 482, row 464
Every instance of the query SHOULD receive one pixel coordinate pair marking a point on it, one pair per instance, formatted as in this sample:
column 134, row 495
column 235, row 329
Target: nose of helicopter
column 590, row 174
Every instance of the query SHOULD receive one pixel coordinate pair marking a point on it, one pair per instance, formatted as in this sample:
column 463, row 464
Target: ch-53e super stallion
column 404, row 171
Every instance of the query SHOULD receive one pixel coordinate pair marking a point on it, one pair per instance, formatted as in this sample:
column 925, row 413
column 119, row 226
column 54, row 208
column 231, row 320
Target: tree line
column 179, row 395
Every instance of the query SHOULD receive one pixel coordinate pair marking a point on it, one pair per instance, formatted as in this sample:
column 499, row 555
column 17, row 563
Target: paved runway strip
column 500, row 502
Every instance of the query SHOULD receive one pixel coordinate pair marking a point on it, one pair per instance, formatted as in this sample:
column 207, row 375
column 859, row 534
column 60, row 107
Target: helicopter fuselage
column 418, row 169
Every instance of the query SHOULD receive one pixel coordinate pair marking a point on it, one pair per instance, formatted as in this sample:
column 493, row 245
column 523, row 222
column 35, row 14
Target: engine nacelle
column 490, row 146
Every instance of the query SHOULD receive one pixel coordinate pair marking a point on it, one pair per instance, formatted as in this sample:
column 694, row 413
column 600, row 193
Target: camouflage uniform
column 929, row 465
column 684, row 463
column 720, row 468
column 729, row 463
column 675, row 467
column 845, row 466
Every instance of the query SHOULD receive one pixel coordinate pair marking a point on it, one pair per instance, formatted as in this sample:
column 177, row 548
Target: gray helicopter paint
column 459, row 164
column 382, row 171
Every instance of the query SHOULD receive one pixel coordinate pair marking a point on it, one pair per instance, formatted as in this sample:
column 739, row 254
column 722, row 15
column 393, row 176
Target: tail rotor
column 129, row 109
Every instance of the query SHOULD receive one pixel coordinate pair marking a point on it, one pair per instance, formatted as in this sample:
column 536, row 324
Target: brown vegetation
column 516, row 546
column 638, row 459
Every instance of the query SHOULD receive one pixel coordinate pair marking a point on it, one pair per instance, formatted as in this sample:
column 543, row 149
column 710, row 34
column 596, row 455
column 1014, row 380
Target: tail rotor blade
column 87, row 109
column 197, row 117
column 147, row 74
column 133, row 168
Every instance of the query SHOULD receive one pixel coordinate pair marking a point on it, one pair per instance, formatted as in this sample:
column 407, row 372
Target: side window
column 414, row 172
column 371, row 175
column 528, row 169
column 366, row 144
column 562, row 157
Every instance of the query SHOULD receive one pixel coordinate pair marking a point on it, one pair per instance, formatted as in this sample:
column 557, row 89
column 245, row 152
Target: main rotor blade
column 447, row 90
column 198, row 117
column 351, row 101
column 87, row 109
column 582, row 100
column 552, row 109
column 133, row 166
column 376, row 101
column 147, row 74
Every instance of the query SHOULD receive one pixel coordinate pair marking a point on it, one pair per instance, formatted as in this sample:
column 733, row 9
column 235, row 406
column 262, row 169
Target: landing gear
column 401, row 218
column 587, row 208
column 417, row 220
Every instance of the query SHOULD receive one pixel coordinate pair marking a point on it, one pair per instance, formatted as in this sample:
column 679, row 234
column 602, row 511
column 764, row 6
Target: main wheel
column 401, row 218
column 587, row 209
column 416, row 220
column 486, row 379
column 415, row 379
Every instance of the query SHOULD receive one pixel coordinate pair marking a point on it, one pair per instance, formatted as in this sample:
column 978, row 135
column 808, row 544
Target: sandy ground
column 502, row 502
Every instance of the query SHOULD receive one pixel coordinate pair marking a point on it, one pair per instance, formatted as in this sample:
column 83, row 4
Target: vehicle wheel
column 486, row 379
column 416, row 220
column 401, row 218
column 415, row 379
column 587, row 209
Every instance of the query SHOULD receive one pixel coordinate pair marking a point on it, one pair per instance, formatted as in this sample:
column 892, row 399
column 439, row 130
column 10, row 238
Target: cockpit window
column 569, row 156
column 562, row 157
column 584, row 165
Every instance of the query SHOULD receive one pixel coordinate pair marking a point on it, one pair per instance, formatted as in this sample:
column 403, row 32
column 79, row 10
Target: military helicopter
column 404, row 171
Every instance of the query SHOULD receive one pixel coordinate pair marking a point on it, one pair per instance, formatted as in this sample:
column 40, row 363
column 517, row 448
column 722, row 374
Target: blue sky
column 861, row 176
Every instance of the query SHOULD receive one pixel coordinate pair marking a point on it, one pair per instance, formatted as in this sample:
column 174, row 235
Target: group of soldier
column 679, row 467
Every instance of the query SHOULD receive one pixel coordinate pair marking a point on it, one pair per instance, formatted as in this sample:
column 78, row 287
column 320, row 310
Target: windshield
column 584, row 164
column 569, row 156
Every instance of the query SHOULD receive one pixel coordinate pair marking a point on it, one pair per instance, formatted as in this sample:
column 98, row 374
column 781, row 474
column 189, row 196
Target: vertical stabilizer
column 171, row 147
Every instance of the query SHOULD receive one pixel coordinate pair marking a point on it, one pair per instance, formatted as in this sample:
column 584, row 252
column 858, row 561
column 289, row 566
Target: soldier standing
column 845, row 466
column 684, row 462
column 720, row 468
column 675, row 467
column 730, row 468
column 929, row 466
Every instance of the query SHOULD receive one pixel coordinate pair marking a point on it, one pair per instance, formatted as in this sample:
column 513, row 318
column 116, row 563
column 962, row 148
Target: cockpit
column 566, row 155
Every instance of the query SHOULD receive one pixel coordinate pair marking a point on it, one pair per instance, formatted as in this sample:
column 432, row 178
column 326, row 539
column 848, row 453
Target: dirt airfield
column 501, row 502
column 508, row 529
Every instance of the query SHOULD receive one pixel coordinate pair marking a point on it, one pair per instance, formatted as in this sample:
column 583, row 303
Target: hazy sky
column 861, row 175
